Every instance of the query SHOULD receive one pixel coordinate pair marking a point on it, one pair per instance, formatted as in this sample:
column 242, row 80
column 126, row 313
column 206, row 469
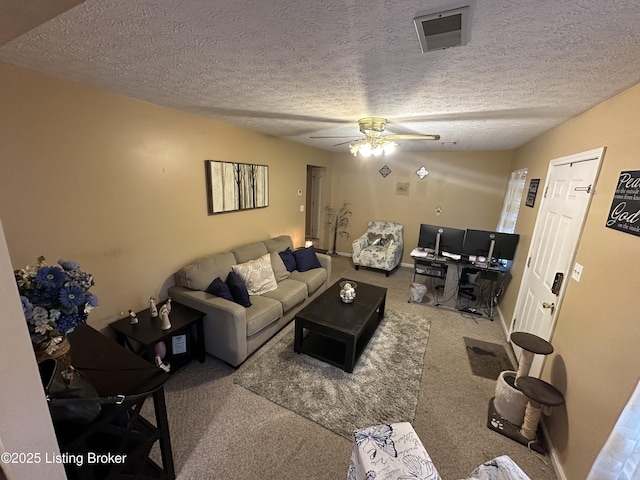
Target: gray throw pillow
column 374, row 238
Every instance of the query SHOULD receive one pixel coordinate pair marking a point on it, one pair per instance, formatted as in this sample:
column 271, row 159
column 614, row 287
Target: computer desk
column 442, row 277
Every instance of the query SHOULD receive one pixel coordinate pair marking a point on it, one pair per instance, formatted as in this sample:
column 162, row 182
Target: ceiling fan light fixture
column 372, row 125
column 375, row 142
column 389, row 147
column 377, row 147
column 365, row 149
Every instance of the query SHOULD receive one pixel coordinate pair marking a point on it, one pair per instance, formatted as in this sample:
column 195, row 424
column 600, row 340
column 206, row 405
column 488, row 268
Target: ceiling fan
column 373, row 142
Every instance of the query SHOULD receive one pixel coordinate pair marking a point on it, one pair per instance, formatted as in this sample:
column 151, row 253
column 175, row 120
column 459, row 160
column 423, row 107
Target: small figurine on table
column 153, row 309
column 160, row 350
column 134, row 317
column 165, row 323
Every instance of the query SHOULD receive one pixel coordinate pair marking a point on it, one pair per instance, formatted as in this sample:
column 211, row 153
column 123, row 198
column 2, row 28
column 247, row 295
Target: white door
column 567, row 195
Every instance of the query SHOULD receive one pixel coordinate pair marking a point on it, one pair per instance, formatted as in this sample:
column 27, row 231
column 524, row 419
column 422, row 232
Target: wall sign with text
column 624, row 214
column 534, row 183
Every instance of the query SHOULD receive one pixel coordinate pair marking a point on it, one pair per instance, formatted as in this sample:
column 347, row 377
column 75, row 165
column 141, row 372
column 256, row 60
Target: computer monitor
column 492, row 245
column 441, row 239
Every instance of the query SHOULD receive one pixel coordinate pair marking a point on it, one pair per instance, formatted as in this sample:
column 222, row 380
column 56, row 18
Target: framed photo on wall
column 235, row 186
column 534, row 183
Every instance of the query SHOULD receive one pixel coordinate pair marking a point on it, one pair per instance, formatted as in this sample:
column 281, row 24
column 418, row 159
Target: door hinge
column 528, row 262
column 545, row 191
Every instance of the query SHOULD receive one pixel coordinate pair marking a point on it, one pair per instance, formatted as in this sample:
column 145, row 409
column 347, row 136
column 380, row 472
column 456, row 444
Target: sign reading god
column 624, row 214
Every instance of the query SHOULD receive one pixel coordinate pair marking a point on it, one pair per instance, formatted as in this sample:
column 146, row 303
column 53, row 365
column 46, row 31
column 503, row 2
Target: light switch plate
column 576, row 274
column 302, row 208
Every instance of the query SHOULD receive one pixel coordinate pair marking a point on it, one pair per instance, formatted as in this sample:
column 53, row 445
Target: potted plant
column 338, row 221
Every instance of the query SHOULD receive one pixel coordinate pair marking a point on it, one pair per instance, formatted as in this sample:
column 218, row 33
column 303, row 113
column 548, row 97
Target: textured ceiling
column 297, row 69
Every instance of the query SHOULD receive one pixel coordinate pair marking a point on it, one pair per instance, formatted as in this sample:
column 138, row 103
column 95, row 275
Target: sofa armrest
column 225, row 323
column 394, row 250
column 325, row 262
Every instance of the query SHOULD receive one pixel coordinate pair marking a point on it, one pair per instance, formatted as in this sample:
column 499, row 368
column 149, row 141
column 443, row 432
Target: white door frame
column 590, row 155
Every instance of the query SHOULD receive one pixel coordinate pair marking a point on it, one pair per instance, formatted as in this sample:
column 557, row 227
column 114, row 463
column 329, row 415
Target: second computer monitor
column 479, row 243
column 441, row 239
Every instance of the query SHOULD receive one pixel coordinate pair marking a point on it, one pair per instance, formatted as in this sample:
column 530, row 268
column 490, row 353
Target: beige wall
column 468, row 186
column 597, row 337
column 118, row 185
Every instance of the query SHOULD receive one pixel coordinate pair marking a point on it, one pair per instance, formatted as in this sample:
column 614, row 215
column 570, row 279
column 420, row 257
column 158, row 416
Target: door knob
column 552, row 306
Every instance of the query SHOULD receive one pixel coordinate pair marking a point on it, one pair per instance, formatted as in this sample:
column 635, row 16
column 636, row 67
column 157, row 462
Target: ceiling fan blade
column 411, row 136
column 334, row 136
column 344, row 143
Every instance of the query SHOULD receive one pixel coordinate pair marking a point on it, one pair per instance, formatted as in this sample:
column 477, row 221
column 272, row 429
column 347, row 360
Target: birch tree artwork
column 236, row 186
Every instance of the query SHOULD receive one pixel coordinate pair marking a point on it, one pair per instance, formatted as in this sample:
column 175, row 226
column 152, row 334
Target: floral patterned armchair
column 379, row 247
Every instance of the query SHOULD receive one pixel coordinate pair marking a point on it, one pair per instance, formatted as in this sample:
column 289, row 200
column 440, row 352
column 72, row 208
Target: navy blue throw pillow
column 306, row 259
column 220, row 289
column 238, row 289
column 288, row 259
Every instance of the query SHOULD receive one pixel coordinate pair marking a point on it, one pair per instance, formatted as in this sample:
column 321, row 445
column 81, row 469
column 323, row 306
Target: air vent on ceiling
column 443, row 30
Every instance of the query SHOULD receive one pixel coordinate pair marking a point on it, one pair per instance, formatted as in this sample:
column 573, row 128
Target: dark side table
column 143, row 336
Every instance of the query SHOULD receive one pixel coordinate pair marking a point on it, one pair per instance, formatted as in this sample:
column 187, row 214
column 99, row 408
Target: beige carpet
column 222, row 430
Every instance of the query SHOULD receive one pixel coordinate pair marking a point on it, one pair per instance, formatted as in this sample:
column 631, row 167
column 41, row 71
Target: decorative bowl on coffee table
column 348, row 291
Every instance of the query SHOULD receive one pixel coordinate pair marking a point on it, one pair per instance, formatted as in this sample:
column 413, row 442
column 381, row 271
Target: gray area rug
column 383, row 387
column 487, row 359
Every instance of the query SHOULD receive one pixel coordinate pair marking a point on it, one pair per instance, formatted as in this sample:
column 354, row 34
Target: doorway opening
column 313, row 223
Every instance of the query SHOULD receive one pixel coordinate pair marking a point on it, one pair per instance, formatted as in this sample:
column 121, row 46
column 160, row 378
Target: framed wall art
column 624, row 214
column 534, row 183
column 235, row 186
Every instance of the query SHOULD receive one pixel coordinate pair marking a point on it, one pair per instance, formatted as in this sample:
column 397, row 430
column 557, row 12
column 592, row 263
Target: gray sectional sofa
column 233, row 332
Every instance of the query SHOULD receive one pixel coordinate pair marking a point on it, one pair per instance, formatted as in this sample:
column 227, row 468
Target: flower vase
column 62, row 354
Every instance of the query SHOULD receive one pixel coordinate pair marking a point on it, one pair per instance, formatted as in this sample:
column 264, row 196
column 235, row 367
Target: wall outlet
column 576, row 274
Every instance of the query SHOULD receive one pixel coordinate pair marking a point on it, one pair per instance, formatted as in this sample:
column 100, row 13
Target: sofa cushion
column 288, row 259
column 249, row 252
column 238, row 289
column 289, row 293
column 220, row 289
column 257, row 275
column 314, row 278
column 306, row 259
column 263, row 312
column 199, row 274
column 279, row 244
column 279, row 270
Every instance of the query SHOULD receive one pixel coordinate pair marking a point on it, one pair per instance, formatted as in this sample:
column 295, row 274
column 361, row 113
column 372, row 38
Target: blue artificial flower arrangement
column 55, row 300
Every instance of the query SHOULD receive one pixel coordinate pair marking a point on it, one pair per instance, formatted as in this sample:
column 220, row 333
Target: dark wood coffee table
column 337, row 332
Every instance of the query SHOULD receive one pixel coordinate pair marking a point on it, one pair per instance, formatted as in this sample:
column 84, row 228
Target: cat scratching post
column 531, row 345
column 512, row 412
column 540, row 394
